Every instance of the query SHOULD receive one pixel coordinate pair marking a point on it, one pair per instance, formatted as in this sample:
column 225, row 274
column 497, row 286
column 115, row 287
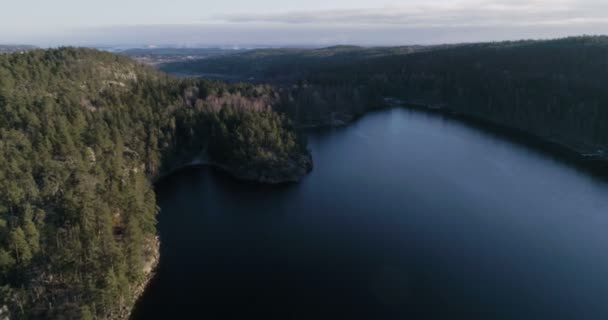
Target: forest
column 82, row 135
column 280, row 66
column 551, row 89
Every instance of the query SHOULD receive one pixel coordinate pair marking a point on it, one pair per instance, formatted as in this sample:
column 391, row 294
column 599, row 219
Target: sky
column 294, row 22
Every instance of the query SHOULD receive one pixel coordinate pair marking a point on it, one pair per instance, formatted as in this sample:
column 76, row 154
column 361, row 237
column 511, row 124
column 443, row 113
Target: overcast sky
column 294, row 22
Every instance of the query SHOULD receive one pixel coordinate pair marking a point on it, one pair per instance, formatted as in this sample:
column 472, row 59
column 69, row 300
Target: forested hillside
column 82, row 133
column 552, row 89
column 280, row 66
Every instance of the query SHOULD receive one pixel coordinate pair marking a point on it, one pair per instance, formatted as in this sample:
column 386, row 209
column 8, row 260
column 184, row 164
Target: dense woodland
column 82, row 134
column 552, row 89
column 280, row 66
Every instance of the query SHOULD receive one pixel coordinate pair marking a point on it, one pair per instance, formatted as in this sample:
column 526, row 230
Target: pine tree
column 21, row 248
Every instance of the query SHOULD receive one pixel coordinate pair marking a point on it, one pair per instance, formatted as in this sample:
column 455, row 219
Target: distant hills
column 83, row 133
column 280, row 65
column 552, row 89
column 4, row 48
column 155, row 56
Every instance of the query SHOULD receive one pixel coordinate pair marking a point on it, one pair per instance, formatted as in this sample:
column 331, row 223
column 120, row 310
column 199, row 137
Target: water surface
column 406, row 216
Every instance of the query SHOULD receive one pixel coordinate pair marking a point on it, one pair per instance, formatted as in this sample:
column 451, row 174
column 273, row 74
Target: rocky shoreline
column 152, row 253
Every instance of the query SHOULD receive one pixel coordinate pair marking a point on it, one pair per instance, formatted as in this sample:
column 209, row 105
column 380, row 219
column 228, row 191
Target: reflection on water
column 406, row 215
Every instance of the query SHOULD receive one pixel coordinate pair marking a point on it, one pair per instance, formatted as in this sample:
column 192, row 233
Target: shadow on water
column 406, row 215
column 557, row 152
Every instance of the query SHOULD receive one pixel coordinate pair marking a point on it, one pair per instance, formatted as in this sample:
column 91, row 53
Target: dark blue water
column 405, row 216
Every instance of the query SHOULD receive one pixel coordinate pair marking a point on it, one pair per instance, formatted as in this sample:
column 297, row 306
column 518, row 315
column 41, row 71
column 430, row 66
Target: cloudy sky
column 295, row 22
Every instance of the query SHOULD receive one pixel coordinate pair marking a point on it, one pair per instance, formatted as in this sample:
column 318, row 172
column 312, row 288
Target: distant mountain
column 155, row 56
column 15, row 48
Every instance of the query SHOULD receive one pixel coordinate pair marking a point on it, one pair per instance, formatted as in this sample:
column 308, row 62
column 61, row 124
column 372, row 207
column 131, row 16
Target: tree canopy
column 82, row 133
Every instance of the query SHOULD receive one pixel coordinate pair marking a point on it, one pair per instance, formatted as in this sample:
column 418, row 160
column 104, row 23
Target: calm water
column 405, row 216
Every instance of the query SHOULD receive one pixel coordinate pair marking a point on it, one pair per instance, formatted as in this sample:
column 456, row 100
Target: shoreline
column 596, row 163
column 150, row 269
column 593, row 162
column 300, row 167
column 564, row 153
column 304, row 163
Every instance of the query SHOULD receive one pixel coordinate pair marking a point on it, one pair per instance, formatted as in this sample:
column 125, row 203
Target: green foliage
column 6, row 261
column 252, row 138
column 82, row 134
column 20, row 246
column 86, row 314
column 552, row 89
column 279, row 65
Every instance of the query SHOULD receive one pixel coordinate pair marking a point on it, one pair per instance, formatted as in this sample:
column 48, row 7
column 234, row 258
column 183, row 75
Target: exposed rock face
column 151, row 259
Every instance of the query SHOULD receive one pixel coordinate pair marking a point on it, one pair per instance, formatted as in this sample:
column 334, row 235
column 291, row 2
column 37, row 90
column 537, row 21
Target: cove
column 407, row 215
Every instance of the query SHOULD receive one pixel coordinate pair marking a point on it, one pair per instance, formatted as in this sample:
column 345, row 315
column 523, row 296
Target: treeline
column 81, row 135
column 14, row 48
column 279, row 66
column 312, row 105
column 552, row 89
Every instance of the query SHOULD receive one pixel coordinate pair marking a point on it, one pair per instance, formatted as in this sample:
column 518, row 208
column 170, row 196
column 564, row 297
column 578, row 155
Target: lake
column 406, row 215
